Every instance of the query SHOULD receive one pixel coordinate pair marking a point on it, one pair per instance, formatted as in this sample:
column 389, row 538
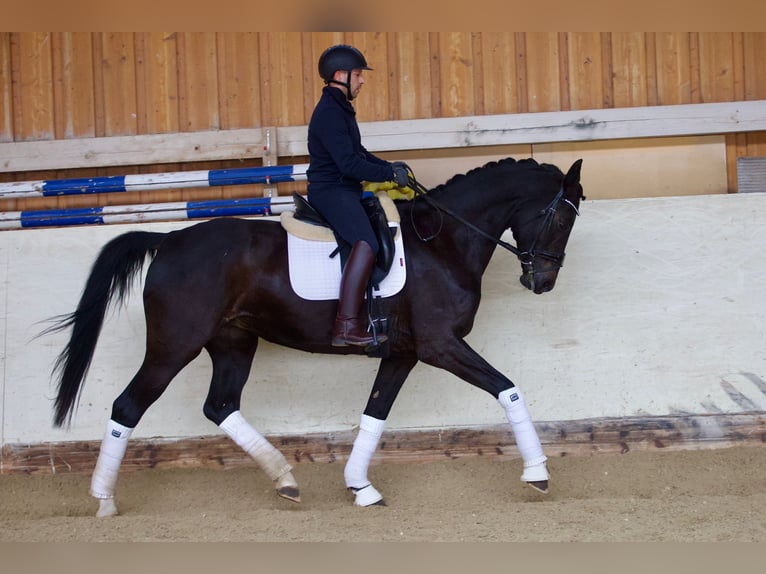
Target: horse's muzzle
column 540, row 282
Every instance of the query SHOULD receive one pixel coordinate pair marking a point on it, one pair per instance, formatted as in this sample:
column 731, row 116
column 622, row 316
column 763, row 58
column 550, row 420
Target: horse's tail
column 112, row 273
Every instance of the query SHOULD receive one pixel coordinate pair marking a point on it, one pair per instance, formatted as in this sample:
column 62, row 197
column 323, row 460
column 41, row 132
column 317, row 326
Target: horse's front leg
column 232, row 352
column 389, row 380
column 457, row 357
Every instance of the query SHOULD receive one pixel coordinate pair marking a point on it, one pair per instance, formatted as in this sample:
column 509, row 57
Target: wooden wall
column 84, row 84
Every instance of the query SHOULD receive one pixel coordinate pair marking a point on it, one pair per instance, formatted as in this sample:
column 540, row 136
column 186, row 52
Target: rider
column 338, row 165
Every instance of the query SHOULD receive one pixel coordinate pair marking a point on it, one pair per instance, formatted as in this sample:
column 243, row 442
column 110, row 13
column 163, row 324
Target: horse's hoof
column 106, row 507
column 291, row 493
column 539, row 485
column 367, row 496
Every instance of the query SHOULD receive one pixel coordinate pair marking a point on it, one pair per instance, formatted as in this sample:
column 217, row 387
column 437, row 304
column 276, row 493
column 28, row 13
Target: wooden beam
column 131, row 150
column 467, row 131
column 561, row 438
column 582, row 125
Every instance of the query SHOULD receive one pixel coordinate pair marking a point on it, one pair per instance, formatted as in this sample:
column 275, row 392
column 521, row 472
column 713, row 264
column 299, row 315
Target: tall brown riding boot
column 349, row 330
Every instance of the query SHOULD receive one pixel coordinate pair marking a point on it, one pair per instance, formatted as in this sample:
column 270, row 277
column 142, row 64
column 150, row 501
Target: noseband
column 527, row 258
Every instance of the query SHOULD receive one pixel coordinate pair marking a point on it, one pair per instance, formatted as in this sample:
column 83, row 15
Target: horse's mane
column 507, row 163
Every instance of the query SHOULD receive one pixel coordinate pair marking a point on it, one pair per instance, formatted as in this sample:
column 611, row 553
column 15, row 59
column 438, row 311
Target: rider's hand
column 401, row 173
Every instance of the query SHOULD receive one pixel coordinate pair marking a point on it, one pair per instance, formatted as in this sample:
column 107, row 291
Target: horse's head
column 543, row 235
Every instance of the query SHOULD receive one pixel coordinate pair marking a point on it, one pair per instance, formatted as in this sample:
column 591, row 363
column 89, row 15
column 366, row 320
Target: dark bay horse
column 223, row 284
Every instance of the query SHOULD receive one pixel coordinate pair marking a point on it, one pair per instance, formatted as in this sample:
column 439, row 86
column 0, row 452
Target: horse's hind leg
column 146, row 387
column 232, row 353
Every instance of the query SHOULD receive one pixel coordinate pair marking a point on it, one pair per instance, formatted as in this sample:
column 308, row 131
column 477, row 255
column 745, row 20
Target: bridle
column 527, row 257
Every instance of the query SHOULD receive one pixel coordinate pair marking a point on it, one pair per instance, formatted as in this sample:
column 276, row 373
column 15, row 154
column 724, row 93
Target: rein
column 527, row 258
column 421, row 191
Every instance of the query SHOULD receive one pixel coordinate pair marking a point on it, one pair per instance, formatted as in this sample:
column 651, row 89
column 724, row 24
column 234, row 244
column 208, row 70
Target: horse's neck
column 492, row 217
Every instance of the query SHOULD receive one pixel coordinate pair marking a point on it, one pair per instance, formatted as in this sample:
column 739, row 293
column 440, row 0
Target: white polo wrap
column 255, row 444
column 113, row 447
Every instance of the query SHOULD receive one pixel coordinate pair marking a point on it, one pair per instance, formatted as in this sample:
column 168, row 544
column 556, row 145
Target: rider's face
column 356, row 80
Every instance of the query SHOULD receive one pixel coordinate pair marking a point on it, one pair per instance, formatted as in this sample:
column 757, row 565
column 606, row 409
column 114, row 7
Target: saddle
column 378, row 216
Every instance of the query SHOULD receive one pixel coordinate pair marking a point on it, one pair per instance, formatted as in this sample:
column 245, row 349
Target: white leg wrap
column 255, row 444
column 365, row 444
column 524, row 431
column 104, row 479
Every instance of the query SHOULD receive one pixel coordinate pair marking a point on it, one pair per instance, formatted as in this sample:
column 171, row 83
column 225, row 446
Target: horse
column 222, row 285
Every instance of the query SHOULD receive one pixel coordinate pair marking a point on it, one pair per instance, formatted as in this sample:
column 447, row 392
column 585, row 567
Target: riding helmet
column 340, row 57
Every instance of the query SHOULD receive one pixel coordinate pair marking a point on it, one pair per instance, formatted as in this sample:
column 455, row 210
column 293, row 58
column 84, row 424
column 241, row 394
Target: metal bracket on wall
column 270, row 158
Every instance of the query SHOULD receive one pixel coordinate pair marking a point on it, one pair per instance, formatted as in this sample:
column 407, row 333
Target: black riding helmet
column 341, row 57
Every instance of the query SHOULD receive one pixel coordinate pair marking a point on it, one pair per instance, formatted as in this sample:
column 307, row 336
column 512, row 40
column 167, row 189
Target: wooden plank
column 131, row 150
column 33, row 98
column 559, row 439
column 736, row 144
column 564, row 71
column 583, row 125
column 118, row 73
column 311, row 78
column 412, row 83
column 435, row 58
column 477, row 57
column 313, row 45
column 629, row 69
column 694, row 63
column 520, row 41
column 673, row 70
column 755, row 84
column 542, row 71
column 98, row 84
column 716, row 66
column 73, row 84
column 456, row 88
column 435, row 133
column 6, row 94
column 157, row 82
column 607, row 71
column 652, row 89
column 286, row 78
column 755, row 65
column 239, row 80
column 501, row 75
column 585, row 70
column 198, row 81
column 373, row 101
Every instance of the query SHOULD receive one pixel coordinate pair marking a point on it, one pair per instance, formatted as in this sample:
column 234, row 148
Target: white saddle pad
column 316, row 277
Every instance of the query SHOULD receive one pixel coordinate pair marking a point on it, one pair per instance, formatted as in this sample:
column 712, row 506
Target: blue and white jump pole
column 148, row 182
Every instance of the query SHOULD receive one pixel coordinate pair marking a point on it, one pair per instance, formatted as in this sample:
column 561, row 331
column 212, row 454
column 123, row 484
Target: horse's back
column 207, row 253
column 222, row 237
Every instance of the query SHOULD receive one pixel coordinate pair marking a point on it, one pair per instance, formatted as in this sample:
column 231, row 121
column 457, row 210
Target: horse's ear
column 573, row 175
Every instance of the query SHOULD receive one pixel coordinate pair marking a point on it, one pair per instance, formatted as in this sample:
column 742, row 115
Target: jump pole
column 172, row 211
column 266, row 175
